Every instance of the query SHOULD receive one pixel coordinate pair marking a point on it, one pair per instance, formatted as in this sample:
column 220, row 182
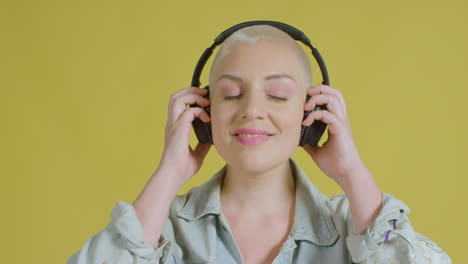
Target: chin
column 255, row 160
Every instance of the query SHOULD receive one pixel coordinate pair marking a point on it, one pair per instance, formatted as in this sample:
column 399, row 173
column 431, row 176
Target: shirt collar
column 312, row 221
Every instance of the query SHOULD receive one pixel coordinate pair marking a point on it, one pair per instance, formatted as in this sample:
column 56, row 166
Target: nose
column 253, row 105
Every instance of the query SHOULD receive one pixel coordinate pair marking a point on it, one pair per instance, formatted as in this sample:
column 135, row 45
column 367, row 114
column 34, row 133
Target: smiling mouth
column 252, row 135
column 252, row 139
column 251, row 132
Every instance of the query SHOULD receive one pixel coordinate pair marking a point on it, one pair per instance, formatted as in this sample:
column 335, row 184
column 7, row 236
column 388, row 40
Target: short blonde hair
column 263, row 33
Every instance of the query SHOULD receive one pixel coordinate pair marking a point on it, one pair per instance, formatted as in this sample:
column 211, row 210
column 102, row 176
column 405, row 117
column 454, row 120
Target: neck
column 253, row 193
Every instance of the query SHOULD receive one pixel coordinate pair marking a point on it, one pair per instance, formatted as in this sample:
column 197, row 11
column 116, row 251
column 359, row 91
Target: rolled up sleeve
column 122, row 241
column 392, row 239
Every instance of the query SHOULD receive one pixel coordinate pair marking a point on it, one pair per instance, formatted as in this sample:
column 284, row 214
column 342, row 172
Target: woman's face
column 257, row 105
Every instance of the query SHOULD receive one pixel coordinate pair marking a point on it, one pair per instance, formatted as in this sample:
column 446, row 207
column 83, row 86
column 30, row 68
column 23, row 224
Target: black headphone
column 310, row 135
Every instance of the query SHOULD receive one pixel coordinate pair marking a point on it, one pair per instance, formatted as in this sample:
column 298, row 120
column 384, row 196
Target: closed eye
column 232, row 97
column 274, row 98
column 279, row 98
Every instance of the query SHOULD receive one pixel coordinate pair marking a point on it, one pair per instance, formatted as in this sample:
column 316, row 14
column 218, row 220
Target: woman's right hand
column 179, row 158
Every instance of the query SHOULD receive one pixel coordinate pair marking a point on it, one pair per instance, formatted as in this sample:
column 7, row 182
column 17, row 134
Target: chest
column 259, row 240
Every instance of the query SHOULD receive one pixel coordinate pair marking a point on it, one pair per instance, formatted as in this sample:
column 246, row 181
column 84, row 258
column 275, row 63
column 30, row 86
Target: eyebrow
column 269, row 77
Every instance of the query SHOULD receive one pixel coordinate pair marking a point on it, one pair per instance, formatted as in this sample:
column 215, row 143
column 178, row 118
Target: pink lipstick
column 251, row 137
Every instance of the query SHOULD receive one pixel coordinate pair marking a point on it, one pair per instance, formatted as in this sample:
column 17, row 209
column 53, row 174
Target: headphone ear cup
column 202, row 129
column 310, row 135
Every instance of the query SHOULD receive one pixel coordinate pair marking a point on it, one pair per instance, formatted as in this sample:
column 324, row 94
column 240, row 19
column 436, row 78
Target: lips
column 251, row 132
column 252, row 137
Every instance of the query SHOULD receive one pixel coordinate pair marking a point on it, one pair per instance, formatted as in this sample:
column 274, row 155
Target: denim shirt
column 196, row 231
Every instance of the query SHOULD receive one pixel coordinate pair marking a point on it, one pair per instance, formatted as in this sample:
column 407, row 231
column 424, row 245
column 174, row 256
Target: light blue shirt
column 196, row 231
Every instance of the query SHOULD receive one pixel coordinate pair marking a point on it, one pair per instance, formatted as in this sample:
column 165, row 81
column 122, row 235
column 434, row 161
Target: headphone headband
column 290, row 30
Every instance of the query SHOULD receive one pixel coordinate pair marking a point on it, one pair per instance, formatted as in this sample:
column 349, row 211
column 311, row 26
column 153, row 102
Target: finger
column 183, row 125
column 322, row 88
column 189, row 114
column 334, row 124
column 189, row 90
column 325, row 89
column 192, row 89
column 179, row 104
column 332, row 103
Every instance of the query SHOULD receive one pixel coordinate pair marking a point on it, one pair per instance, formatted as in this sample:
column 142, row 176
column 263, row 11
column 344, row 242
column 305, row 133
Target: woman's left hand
column 338, row 157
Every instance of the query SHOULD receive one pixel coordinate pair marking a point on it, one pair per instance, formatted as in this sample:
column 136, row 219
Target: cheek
column 220, row 118
column 292, row 122
column 219, row 113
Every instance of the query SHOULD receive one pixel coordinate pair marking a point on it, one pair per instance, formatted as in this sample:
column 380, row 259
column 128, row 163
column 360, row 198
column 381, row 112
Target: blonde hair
column 263, row 33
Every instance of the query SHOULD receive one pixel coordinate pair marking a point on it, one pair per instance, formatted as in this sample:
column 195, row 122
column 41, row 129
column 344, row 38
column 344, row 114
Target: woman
column 260, row 207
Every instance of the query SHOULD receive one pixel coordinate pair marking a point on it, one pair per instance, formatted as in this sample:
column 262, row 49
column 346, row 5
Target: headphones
column 310, row 135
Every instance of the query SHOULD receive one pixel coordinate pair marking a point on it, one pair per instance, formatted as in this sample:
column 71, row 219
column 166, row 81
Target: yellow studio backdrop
column 85, row 88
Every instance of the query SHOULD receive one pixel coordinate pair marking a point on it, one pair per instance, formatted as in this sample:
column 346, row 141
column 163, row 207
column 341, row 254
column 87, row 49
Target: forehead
column 259, row 58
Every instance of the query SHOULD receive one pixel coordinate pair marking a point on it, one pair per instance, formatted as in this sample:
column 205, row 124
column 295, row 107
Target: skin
column 258, row 177
column 258, row 185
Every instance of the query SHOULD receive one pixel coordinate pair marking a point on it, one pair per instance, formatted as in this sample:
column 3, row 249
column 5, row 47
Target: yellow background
column 85, row 87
